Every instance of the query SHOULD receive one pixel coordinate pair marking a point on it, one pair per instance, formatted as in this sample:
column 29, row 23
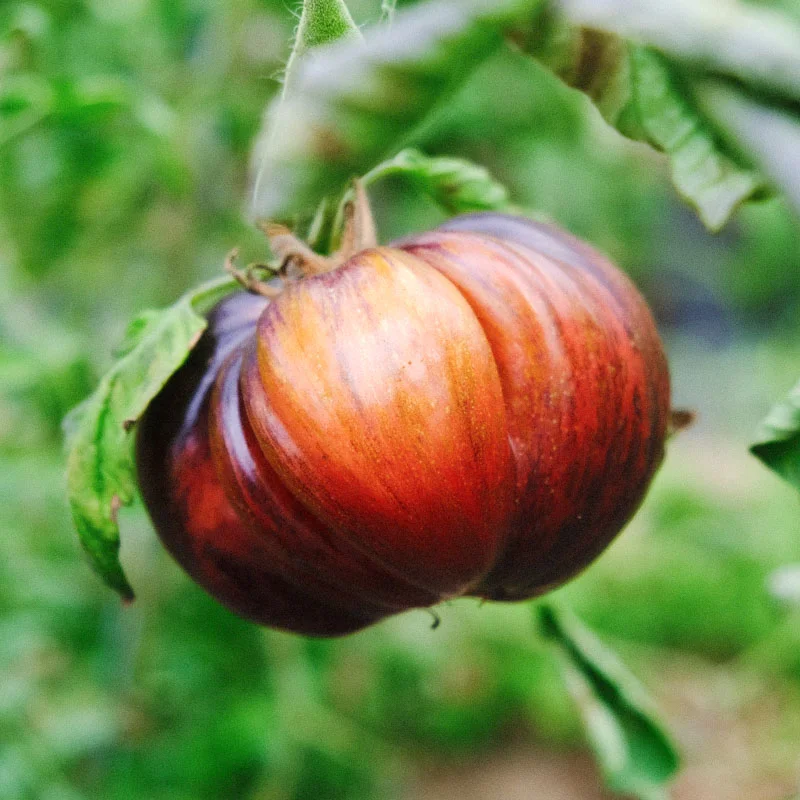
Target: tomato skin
column 585, row 381
column 378, row 401
column 475, row 410
column 190, row 509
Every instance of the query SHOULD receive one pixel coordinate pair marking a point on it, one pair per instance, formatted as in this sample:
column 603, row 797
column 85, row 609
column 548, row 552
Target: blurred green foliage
column 125, row 130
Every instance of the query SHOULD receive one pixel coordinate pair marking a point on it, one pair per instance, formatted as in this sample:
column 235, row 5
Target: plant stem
column 321, row 22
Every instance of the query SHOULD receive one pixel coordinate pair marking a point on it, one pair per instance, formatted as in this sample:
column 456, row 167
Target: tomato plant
column 476, row 410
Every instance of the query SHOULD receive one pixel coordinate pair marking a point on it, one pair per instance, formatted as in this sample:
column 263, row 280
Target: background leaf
column 642, row 94
column 770, row 135
column 25, row 100
column 353, row 106
column 101, row 474
column 633, row 750
column 456, row 184
column 758, row 46
column 778, row 439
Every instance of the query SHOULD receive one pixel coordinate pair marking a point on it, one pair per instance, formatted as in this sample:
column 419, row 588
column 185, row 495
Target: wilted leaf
column 632, row 748
column 778, row 438
column 101, row 474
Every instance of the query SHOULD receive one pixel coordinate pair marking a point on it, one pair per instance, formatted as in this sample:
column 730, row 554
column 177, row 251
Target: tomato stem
column 359, row 225
column 358, row 233
column 247, row 278
column 292, row 251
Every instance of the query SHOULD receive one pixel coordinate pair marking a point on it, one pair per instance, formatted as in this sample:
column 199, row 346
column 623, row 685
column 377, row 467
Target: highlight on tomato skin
column 187, row 503
column 476, row 410
column 381, row 408
column 305, row 548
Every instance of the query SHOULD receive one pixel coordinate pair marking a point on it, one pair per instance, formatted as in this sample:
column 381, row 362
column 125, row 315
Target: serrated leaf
column 632, row 748
column 759, row 47
column 639, row 92
column 101, row 474
column 778, row 438
column 637, row 71
column 769, row 135
column 456, row 184
column 353, row 105
column 703, row 172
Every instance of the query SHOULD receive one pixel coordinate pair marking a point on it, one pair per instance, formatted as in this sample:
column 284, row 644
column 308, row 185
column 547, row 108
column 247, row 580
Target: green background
column 125, row 131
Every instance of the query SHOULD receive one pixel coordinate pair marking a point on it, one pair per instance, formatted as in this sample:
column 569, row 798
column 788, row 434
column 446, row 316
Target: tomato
column 477, row 410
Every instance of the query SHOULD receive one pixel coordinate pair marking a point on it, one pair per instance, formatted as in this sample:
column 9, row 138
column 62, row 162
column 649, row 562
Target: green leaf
column 770, row 136
column 759, row 47
column 778, row 438
column 137, row 329
column 642, row 94
column 634, row 57
column 456, row 184
column 703, row 172
column 353, row 105
column 101, row 474
column 632, row 748
column 25, row 100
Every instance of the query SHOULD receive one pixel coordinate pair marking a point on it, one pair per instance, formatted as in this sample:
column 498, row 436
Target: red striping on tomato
column 477, row 410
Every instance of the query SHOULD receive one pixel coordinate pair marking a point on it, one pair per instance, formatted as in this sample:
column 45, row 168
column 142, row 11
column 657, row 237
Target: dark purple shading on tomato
column 477, row 410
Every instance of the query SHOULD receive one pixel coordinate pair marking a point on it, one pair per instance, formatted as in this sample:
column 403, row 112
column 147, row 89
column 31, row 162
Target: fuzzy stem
column 321, row 22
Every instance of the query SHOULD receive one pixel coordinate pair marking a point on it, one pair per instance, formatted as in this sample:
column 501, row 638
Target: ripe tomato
column 477, row 410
